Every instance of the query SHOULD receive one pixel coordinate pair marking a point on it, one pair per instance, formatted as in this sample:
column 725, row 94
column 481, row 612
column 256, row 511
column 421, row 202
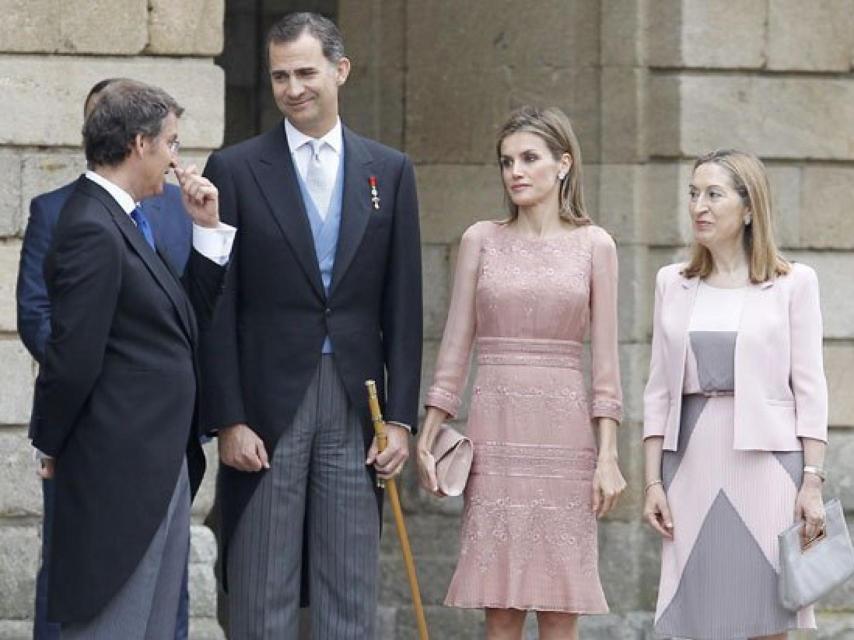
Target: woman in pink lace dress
column 526, row 291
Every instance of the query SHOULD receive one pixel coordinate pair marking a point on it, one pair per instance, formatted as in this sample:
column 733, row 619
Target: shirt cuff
column 214, row 243
column 400, row 424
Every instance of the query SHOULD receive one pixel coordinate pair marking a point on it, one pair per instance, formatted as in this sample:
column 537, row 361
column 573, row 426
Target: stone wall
column 51, row 53
column 649, row 84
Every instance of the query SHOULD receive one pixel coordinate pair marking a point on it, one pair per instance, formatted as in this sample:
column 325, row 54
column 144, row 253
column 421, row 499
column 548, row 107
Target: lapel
column 276, row 175
column 686, row 296
column 154, row 263
column 355, row 204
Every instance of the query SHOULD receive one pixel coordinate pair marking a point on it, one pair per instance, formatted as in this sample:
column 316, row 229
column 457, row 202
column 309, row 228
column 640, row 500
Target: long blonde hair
column 554, row 128
column 750, row 181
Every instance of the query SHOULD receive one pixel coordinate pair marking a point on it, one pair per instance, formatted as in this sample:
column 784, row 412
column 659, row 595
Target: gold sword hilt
column 377, row 420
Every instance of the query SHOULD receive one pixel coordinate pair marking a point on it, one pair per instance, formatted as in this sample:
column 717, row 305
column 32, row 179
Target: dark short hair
column 97, row 88
column 124, row 109
column 293, row 25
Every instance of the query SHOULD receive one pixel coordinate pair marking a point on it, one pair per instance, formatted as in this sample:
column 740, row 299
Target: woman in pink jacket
column 735, row 412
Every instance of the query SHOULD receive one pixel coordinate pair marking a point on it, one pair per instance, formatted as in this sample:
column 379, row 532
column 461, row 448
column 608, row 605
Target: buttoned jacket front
column 780, row 387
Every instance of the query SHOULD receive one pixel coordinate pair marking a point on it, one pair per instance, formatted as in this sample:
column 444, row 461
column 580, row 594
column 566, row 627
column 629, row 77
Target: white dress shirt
column 331, row 145
column 214, row 243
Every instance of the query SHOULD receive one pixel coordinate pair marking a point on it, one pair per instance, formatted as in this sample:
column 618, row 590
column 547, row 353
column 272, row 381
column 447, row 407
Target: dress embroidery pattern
column 525, row 306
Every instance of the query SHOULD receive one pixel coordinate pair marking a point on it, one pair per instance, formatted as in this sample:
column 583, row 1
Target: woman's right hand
column 657, row 512
column 427, row 468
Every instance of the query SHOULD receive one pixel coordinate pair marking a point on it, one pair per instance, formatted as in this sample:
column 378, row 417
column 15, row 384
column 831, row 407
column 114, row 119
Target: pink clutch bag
column 453, row 453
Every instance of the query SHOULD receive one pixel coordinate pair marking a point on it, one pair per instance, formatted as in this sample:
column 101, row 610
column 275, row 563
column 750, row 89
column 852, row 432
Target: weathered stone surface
column 10, row 192
column 634, row 369
column 437, row 285
column 20, row 488
column 42, row 172
column 19, row 560
column 831, row 626
column 694, row 33
column 191, row 27
column 53, row 26
column 453, row 197
column 205, row 629
column 204, row 500
column 16, row 630
column 628, row 564
column 623, row 105
column 786, row 185
column 452, row 113
column 837, row 289
column 631, row 626
column 9, row 254
column 489, row 33
column 827, row 220
column 664, row 198
column 838, row 365
column 16, row 383
column 814, row 36
column 695, row 113
column 46, row 108
column 203, row 588
column 622, row 37
column 840, row 479
column 633, row 308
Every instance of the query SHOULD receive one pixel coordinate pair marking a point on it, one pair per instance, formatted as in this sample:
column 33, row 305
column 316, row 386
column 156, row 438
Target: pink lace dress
column 528, row 538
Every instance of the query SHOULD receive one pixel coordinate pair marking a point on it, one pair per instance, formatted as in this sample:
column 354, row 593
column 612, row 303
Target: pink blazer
column 780, row 388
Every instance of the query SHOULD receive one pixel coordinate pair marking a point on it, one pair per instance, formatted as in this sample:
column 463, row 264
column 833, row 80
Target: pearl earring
column 747, row 221
column 560, row 177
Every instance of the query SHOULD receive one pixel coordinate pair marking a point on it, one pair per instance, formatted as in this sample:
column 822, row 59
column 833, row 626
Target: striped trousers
column 317, row 492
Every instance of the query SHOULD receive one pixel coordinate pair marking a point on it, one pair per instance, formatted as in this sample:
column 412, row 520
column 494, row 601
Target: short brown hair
column 750, row 180
column 554, row 128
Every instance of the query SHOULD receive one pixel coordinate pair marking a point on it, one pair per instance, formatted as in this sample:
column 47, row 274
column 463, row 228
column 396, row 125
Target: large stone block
column 634, row 370
column 19, row 560
column 634, row 303
column 16, row 630
column 786, row 187
column 775, row 117
column 42, row 172
column 202, row 582
column 190, row 27
column 623, row 114
column 20, row 488
column 453, row 197
column 840, row 479
column 554, row 34
column 43, row 96
column 664, row 198
column 838, row 365
column 16, row 383
column 696, row 33
column 437, row 285
column 9, row 255
column 622, row 38
column 827, row 222
column 810, row 36
column 10, row 192
column 452, row 113
column 837, row 289
column 53, row 26
column 628, row 564
column 620, row 210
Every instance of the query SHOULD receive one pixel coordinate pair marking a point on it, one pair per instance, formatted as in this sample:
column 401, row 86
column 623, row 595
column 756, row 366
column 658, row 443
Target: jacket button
column 327, row 311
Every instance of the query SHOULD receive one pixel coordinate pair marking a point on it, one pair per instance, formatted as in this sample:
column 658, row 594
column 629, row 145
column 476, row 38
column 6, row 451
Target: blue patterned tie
column 142, row 224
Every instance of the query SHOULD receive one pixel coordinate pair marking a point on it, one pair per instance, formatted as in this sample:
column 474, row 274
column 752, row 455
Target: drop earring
column 747, row 221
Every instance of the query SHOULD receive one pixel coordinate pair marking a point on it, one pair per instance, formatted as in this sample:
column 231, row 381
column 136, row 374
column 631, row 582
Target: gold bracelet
column 651, row 484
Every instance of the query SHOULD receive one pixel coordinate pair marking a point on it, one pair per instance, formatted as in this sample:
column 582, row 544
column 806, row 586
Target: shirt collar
column 296, row 138
column 125, row 200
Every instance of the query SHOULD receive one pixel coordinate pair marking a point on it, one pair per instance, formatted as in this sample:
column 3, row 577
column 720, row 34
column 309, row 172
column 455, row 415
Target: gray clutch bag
column 809, row 572
column 453, row 453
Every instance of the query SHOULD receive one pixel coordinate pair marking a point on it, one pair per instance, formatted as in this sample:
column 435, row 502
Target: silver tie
column 316, row 179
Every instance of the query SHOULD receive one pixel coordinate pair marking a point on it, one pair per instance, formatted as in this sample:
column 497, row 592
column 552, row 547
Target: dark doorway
column 249, row 107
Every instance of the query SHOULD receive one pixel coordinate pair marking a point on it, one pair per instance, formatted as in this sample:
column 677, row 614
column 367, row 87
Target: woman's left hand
column 608, row 484
column 809, row 507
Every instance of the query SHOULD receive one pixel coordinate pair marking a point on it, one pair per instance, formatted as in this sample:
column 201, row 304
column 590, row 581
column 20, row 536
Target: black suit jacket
column 269, row 328
column 116, row 395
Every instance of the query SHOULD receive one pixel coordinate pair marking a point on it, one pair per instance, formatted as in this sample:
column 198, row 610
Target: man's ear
column 139, row 144
column 342, row 70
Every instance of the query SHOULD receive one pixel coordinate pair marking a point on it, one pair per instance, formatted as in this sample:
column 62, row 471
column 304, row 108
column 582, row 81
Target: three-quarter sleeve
column 452, row 364
column 605, row 356
column 808, row 381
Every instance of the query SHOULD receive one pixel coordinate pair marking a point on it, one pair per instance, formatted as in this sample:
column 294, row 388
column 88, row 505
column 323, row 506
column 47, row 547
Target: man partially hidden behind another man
column 116, row 394
column 324, row 292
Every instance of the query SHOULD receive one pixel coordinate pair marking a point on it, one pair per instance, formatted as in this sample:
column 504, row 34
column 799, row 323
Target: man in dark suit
column 323, row 293
column 115, row 400
column 172, row 232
